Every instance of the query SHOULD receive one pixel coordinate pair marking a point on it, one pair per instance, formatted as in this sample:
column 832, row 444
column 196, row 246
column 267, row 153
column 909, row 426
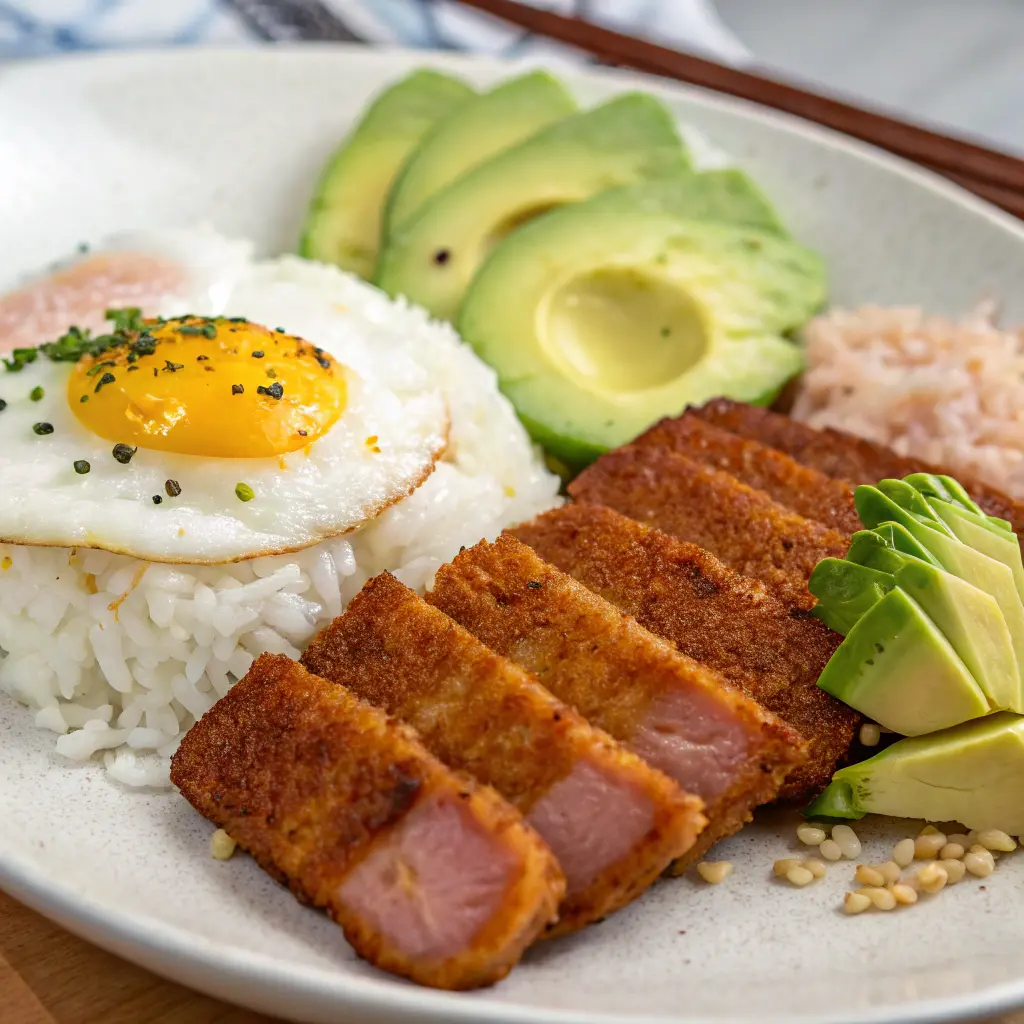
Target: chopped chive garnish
column 84, row 398
column 170, row 367
column 275, row 390
column 3, row 405
column 42, row 428
column 172, row 487
column 244, row 492
column 20, row 358
column 272, row 373
column 82, row 467
column 36, row 394
column 107, row 378
column 123, row 453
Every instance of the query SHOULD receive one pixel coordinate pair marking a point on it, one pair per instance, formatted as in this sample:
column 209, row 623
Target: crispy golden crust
column 481, row 713
column 844, row 456
column 308, row 780
column 796, row 487
column 743, row 527
column 607, row 666
column 723, row 620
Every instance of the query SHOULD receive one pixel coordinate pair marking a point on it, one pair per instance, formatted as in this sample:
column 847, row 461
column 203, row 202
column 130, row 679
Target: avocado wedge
column 473, row 132
column 994, row 577
column 896, row 667
column 343, row 223
column 604, row 316
column 980, row 532
column 432, row 259
column 846, row 591
column 972, row 774
column 969, row 618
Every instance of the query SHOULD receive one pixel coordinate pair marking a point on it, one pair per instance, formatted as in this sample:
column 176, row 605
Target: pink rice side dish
column 950, row 392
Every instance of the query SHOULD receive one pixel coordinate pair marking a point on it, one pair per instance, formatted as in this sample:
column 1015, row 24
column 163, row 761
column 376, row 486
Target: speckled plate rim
column 256, row 980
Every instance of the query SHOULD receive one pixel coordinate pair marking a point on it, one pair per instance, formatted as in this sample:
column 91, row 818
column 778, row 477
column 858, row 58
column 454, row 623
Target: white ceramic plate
column 89, row 146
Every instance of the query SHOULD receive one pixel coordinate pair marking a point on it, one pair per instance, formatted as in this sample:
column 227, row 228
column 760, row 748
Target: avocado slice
column 874, row 548
column 971, row 621
column 972, row 774
column 604, row 316
column 933, row 485
column 896, row 667
column 432, row 259
column 343, row 222
column 979, row 532
column 953, row 555
column 846, row 591
column 474, row 131
column 969, row 618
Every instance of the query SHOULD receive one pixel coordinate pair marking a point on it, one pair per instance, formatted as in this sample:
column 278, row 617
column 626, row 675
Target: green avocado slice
column 972, row 774
column 846, row 591
column 896, row 667
column 932, row 485
column 969, row 618
column 985, row 573
column 980, row 532
column 475, row 131
column 432, row 258
column 343, row 222
column 971, row 621
column 602, row 317
column 886, row 537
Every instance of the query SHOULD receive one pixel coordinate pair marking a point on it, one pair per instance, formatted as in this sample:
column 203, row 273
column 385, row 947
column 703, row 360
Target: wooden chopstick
column 996, row 176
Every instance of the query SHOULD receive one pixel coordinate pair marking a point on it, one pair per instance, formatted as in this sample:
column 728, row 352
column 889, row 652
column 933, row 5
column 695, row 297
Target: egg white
column 337, row 484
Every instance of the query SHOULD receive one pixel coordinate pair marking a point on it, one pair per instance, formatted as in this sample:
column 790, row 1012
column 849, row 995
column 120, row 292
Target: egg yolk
column 213, row 387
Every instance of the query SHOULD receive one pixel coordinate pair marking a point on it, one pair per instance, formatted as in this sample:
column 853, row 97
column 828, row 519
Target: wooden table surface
column 47, row 976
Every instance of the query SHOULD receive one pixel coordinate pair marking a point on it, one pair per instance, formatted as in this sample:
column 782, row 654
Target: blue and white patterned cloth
column 33, row 28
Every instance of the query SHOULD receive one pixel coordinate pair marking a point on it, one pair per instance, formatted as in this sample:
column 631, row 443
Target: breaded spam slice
column 844, row 456
column 742, row 527
column 681, row 718
column 613, row 822
column 430, row 874
column 796, row 487
column 725, row 621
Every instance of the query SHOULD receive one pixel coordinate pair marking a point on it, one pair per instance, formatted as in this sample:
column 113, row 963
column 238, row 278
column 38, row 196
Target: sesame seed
column 3, row 405
column 172, row 487
column 810, row 835
column 157, row 500
column 258, row 354
column 222, row 846
column 237, row 389
column 42, row 428
column 903, row 852
column 714, row 872
column 82, row 467
column 123, row 453
column 855, row 903
column 995, row 839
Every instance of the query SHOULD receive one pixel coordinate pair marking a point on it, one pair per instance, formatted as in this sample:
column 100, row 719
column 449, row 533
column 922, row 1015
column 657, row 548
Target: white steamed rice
column 120, row 656
column 949, row 392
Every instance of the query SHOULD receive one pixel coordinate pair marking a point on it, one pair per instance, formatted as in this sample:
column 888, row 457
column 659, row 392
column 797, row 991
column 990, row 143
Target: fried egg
column 198, row 434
